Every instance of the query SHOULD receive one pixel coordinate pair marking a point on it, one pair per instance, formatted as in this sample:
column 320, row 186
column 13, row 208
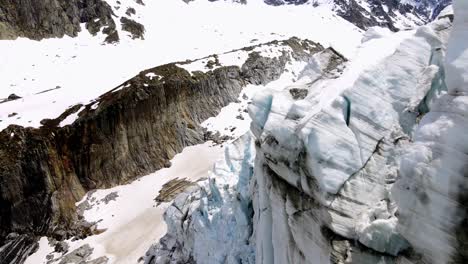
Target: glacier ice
column 324, row 169
column 431, row 193
column 362, row 164
column 212, row 222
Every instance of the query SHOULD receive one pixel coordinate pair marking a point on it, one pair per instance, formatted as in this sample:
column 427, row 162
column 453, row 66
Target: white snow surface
column 83, row 68
column 133, row 221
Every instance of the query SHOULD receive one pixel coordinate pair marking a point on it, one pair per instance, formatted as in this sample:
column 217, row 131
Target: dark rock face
column 16, row 248
column 136, row 29
column 130, row 131
column 52, row 18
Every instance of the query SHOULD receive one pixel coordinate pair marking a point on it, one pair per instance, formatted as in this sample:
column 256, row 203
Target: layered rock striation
column 130, row 131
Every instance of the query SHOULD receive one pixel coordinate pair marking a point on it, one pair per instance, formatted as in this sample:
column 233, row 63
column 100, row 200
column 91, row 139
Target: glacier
column 431, row 194
column 362, row 163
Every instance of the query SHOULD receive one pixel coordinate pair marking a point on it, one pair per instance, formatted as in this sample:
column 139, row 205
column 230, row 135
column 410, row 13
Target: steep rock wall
column 53, row 18
column 130, row 131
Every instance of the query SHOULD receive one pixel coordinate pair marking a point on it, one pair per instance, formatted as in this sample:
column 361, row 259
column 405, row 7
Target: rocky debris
column 15, row 248
column 112, row 35
column 56, row 18
column 110, row 197
column 213, row 63
column 130, row 11
column 136, row 29
column 12, row 114
column 298, row 93
column 48, row 90
column 61, row 247
column 81, row 255
column 216, row 137
column 171, row 189
column 11, row 97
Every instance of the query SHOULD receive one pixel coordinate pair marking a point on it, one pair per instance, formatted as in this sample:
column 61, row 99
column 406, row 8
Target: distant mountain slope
column 394, row 14
column 57, row 18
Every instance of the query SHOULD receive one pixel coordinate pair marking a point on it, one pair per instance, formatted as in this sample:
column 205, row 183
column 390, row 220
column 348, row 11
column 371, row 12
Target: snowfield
column 54, row 74
column 131, row 218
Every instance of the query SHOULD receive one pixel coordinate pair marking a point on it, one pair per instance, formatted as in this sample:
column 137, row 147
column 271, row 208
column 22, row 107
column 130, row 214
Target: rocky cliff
column 130, row 131
column 57, row 18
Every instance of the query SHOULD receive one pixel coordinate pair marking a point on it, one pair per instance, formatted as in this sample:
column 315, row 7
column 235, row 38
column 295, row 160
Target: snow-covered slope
column 396, row 15
column 54, row 74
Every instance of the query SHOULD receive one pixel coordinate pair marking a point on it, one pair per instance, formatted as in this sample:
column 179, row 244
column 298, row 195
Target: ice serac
column 432, row 192
column 326, row 162
column 213, row 223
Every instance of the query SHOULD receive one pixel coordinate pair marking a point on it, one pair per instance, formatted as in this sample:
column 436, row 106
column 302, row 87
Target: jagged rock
column 81, row 256
column 137, row 128
column 298, row 93
column 130, row 11
column 54, row 18
column 13, row 97
column 136, row 29
column 16, row 248
column 61, row 246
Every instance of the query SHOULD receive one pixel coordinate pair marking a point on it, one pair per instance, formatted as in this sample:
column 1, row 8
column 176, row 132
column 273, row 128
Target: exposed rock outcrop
column 130, row 131
column 136, row 29
column 53, row 18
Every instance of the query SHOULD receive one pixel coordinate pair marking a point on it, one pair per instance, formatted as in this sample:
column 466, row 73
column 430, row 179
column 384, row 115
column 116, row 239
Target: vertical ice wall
column 432, row 193
column 326, row 161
